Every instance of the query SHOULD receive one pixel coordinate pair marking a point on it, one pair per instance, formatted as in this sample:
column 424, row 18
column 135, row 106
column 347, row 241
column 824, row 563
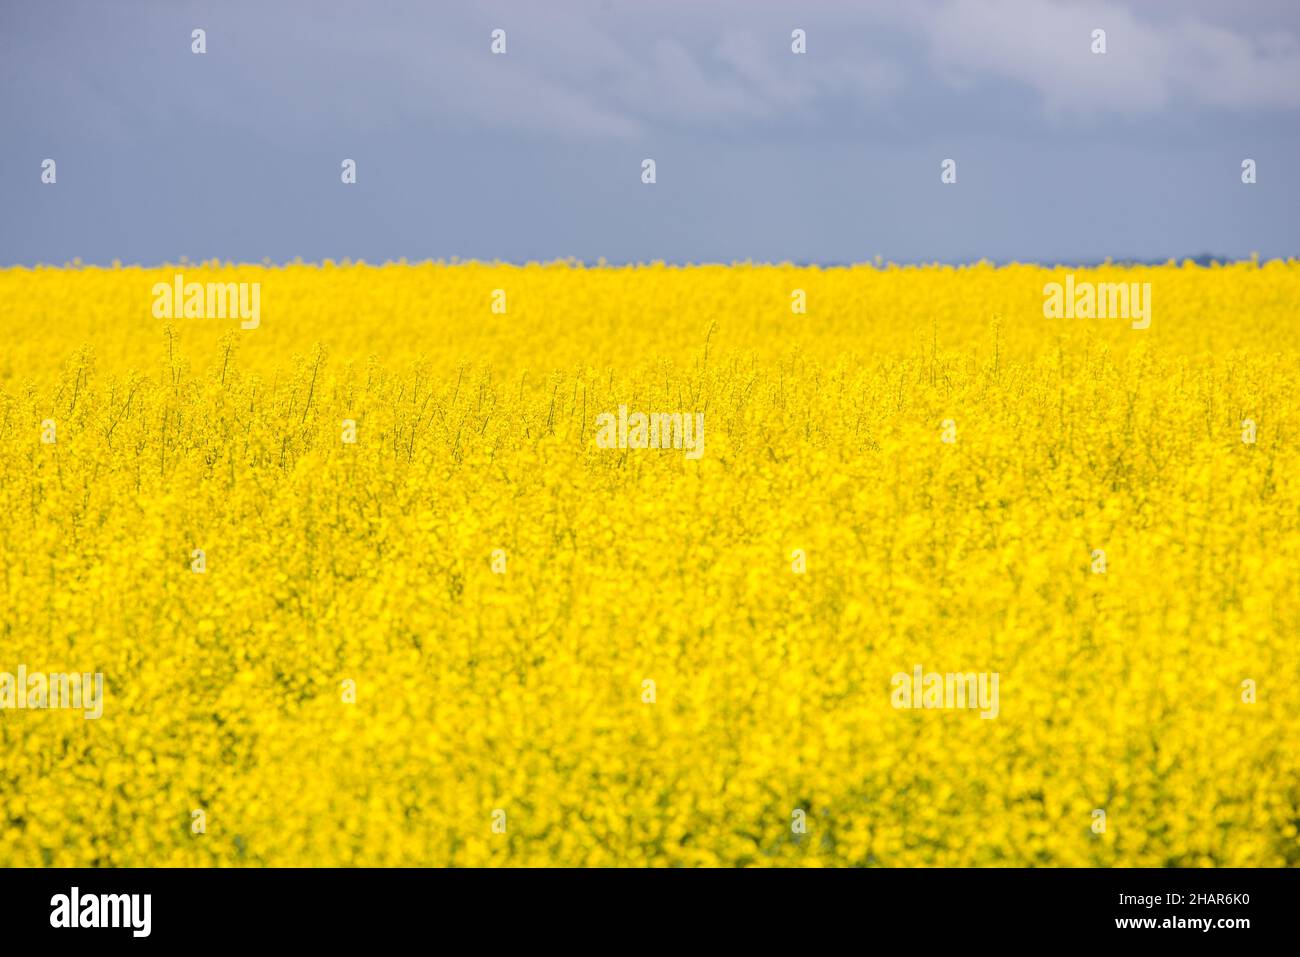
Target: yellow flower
column 474, row 634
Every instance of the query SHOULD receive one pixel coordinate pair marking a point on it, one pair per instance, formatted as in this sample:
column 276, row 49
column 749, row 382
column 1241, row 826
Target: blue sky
column 832, row 156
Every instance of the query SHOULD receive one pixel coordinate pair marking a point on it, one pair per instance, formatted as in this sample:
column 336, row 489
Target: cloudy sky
column 833, row 156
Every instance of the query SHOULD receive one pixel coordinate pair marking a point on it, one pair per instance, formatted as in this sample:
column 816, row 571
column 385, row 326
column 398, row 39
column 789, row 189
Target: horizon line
column 1204, row 260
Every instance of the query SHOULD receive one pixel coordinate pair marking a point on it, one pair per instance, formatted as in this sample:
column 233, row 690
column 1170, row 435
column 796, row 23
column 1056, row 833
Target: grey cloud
column 1148, row 65
column 828, row 157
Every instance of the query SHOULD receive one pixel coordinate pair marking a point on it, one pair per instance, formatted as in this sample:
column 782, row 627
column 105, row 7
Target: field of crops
column 366, row 585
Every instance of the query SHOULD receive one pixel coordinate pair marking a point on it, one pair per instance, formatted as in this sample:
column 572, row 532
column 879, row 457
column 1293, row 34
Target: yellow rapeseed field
column 476, row 636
